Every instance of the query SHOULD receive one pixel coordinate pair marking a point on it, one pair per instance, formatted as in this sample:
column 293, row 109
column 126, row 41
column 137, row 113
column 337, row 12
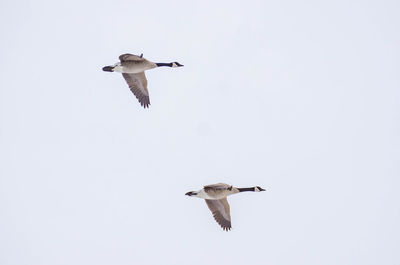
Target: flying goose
column 132, row 68
column 215, row 196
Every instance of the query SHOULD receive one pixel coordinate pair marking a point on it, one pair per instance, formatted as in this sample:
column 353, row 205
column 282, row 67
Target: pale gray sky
column 301, row 98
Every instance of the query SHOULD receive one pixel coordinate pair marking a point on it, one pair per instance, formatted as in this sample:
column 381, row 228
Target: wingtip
column 145, row 106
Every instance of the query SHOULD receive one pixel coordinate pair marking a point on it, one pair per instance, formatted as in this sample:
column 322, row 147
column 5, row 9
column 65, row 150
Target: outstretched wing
column 218, row 186
column 138, row 85
column 130, row 57
column 221, row 212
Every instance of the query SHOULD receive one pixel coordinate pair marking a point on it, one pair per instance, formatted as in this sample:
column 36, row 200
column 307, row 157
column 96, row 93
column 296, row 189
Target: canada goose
column 132, row 68
column 215, row 196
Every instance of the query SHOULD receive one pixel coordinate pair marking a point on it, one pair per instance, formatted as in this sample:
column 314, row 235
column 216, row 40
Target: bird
column 215, row 196
column 132, row 68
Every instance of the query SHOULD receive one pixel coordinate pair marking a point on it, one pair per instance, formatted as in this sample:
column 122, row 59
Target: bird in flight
column 215, row 196
column 132, row 68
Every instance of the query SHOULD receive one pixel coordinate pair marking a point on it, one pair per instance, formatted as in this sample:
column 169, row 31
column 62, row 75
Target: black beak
column 178, row 64
column 261, row 189
column 190, row 193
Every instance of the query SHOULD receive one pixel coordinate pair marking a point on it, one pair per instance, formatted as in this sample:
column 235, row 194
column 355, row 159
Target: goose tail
column 108, row 68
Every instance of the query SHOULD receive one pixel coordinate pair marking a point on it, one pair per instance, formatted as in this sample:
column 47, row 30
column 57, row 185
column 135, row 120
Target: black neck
column 164, row 64
column 246, row 189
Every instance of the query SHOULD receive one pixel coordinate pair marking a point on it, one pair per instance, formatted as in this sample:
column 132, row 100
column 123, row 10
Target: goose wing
column 218, row 186
column 138, row 85
column 221, row 212
column 130, row 57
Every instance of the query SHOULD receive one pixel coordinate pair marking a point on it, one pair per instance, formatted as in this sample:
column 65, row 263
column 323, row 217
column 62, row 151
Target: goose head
column 176, row 64
column 258, row 189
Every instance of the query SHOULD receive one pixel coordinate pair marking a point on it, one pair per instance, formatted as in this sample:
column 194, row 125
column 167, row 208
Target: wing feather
column 138, row 85
column 221, row 212
column 130, row 57
column 218, row 186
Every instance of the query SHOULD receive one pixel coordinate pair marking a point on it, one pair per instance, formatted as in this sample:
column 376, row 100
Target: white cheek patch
column 174, row 65
column 257, row 189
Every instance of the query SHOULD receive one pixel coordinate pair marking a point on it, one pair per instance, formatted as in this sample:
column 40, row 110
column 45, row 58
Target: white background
column 300, row 98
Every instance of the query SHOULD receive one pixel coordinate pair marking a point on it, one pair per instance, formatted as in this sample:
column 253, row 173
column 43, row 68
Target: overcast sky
column 299, row 97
